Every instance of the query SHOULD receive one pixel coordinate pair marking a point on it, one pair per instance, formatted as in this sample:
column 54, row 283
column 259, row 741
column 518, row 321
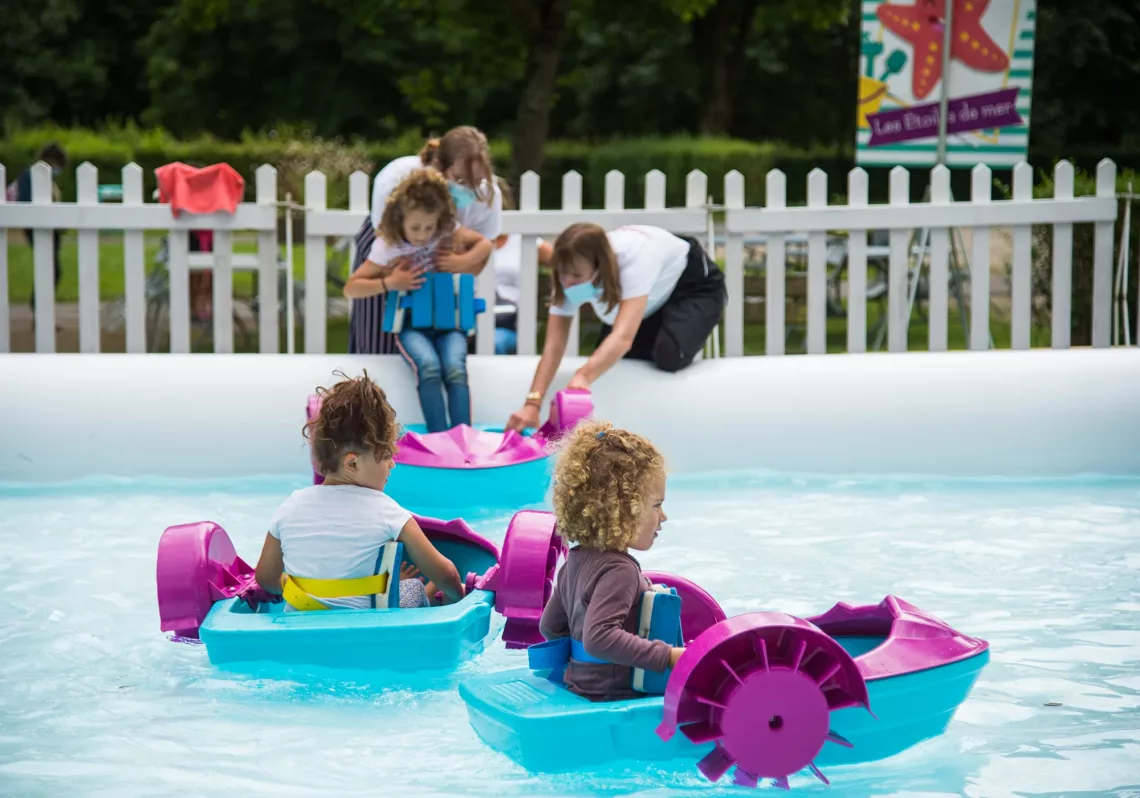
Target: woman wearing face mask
column 462, row 155
column 658, row 296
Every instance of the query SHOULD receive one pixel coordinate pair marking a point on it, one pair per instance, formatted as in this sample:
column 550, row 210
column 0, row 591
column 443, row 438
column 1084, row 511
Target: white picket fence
column 775, row 224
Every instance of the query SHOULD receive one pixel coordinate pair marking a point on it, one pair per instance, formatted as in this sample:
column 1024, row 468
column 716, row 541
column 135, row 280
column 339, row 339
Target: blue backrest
column 443, row 302
column 659, row 619
column 391, row 555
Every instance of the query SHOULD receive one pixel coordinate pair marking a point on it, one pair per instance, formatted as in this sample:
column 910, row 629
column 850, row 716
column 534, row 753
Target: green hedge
column 295, row 154
column 676, row 157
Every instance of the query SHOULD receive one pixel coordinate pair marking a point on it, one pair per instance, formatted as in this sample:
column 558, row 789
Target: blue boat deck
column 518, row 713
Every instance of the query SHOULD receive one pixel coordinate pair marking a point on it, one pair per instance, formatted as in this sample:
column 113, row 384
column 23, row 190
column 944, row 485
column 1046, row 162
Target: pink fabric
column 208, row 190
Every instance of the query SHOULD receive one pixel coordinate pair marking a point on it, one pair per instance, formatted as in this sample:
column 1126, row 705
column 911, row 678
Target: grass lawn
column 20, row 266
column 20, row 281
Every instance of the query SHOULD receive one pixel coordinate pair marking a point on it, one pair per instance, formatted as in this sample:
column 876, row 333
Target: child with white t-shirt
column 418, row 232
column 337, row 530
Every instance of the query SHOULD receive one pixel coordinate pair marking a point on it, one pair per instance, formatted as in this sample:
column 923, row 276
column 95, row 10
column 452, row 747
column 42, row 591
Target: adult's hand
column 453, row 263
column 579, row 382
column 405, row 278
column 525, row 416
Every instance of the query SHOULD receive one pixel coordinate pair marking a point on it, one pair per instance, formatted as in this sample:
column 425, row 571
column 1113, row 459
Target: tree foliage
column 523, row 69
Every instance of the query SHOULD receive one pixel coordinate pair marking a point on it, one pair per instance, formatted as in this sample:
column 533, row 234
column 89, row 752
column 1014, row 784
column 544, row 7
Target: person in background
column 508, row 261
column 659, row 296
column 463, row 156
column 21, row 191
column 418, row 232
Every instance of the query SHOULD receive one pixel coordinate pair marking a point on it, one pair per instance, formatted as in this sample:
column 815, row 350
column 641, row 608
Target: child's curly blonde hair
column 422, row 190
column 601, row 483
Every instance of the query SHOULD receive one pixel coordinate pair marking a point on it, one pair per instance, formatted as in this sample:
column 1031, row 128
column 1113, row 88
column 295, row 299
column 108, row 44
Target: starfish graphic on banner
column 923, row 24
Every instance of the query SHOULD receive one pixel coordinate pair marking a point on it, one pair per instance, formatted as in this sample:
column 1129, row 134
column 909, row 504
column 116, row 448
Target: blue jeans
column 505, row 341
column 439, row 358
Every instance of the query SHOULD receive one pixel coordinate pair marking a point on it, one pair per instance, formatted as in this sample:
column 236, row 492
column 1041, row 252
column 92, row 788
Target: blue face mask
column 581, row 293
column 462, row 195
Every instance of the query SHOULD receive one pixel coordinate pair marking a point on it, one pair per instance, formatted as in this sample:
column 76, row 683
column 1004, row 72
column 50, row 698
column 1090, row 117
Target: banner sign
column 990, row 82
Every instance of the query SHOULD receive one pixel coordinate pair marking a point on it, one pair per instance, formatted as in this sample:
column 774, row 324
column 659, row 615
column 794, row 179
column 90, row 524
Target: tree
column 720, row 40
column 1086, row 70
column 31, row 36
column 723, row 38
column 547, row 23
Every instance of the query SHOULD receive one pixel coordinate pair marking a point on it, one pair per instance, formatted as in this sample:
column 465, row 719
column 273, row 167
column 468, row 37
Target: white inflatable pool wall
column 1036, row 413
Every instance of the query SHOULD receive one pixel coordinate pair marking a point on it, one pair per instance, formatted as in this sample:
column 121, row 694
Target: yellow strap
column 300, row 592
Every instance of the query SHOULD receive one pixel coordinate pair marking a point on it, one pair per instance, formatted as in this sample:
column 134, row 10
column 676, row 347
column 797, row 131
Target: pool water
column 94, row 700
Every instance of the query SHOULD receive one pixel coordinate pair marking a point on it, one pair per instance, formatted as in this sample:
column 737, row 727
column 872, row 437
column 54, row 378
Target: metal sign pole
column 944, row 100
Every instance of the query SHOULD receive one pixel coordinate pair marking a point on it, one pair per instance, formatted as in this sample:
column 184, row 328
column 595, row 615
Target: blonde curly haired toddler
column 609, row 490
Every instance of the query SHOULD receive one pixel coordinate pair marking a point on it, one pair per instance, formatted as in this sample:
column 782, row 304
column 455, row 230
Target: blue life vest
column 659, row 619
column 444, row 302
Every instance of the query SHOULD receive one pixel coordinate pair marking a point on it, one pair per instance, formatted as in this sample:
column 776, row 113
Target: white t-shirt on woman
column 484, row 218
column 335, row 532
column 650, row 262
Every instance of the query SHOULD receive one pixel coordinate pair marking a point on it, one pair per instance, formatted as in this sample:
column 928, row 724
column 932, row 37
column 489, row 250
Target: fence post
column 1102, row 260
column 615, row 191
column 572, row 201
column 898, row 267
column 87, row 193
column 485, row 288
column 697, row 196
column 614, row 201
column 775, row 196
column 44, row 258
column 5, row 317
column 268, row 316
column 1021, row 292
column 939, row 332
column 733, row 268
column 857, row 266
column 527, row 318
column 981, row 193
column 178, row 266
column 316, row 199
column 223, row 284
column 654, row 190
column 134, row 267
column 1062, row 262
column 817, row 268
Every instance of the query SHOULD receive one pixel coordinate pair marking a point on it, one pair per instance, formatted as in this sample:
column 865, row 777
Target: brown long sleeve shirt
column 597, row 601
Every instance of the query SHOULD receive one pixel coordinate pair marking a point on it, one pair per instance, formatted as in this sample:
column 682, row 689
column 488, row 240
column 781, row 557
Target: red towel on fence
column 208, row 190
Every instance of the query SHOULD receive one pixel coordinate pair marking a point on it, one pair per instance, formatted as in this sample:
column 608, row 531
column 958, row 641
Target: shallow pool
column 95, row 701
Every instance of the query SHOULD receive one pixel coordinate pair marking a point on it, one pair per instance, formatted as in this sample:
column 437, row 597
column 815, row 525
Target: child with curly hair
column 609, row 488
column 337, row 530
column 418, row 232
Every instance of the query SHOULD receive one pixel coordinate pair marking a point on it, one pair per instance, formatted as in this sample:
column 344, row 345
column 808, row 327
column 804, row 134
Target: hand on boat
column 525, row 416
column 256, row 595
column 579, row 382
column 675, row 655
column 409, row 571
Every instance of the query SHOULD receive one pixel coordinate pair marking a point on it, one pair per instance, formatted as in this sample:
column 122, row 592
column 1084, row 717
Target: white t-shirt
column 485, row 219
column 508, row 261
column 335, row 532
column 650, row 262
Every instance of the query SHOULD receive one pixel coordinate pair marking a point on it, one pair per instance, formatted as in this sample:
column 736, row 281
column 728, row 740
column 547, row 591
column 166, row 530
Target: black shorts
column 673, row 335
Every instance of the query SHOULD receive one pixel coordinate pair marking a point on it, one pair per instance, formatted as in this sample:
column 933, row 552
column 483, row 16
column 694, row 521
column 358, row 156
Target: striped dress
column 366, row 320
